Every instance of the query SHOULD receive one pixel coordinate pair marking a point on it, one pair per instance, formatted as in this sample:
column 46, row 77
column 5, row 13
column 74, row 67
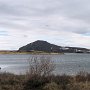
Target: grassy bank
column 60, row 82
column 33, row 52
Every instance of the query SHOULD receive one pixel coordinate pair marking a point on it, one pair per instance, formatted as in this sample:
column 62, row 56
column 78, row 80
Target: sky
column 61, row 22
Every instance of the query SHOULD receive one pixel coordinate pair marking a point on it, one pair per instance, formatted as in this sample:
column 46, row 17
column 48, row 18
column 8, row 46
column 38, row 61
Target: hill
column 40, row 45
column 44, row 46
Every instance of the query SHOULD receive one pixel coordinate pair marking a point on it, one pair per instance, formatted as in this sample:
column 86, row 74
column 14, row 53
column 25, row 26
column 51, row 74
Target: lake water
column 67, row 63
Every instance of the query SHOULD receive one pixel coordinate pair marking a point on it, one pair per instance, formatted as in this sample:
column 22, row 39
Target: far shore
column 35, row 52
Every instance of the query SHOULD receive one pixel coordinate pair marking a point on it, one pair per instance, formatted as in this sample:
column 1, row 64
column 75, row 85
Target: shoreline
column 35, row 53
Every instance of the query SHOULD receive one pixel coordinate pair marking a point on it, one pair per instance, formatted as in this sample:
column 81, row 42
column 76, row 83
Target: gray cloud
column 55, row 18
column 77, row 9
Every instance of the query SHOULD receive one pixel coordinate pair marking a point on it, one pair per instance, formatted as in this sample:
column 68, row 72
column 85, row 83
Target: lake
column 69, row 63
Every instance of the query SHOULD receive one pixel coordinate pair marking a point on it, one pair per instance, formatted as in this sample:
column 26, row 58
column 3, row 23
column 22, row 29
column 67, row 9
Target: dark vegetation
column 40, row 77
column 60, row 82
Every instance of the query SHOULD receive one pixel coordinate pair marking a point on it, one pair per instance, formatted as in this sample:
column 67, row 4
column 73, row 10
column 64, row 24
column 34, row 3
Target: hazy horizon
column 35, row 41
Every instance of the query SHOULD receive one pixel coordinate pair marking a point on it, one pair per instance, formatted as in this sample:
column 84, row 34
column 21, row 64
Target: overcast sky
column 61, row 22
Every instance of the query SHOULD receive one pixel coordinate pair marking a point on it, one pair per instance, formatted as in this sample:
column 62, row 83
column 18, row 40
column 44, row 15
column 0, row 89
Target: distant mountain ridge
column 45, row 46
